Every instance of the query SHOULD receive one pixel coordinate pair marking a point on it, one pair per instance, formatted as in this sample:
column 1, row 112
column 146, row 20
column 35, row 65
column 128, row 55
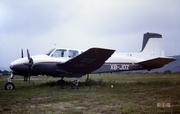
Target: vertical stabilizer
column 152, row 46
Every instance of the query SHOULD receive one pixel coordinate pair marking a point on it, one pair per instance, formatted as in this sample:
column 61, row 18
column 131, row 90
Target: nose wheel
column 9, row 86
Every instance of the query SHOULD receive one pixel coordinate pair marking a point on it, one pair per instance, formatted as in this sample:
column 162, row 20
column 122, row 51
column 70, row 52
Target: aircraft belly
column 51, row 69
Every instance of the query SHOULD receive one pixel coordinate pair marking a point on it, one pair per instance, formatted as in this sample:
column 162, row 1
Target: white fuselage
column 152, row 48
column 115, row 58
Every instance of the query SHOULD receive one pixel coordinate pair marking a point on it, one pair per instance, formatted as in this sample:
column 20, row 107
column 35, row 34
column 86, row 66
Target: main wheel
column 75, row 83
column 9, row 86
column 61, row 82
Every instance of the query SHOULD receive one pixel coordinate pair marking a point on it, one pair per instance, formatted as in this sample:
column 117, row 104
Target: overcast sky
column 117, row 24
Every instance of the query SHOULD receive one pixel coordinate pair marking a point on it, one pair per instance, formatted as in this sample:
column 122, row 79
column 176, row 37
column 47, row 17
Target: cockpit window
column 50, row 52
column 60, row 53
column 73, row 53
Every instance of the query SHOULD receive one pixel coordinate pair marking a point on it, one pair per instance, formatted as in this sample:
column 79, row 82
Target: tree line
column 5, row 72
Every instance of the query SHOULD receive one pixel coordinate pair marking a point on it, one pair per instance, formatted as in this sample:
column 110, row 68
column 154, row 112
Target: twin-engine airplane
column 72, row 63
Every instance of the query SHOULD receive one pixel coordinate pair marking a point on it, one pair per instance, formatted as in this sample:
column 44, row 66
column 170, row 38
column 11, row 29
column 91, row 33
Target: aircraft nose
column 11, row 65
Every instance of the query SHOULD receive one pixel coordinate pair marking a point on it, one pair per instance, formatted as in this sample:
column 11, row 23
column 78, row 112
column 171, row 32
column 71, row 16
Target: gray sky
column 117, row 24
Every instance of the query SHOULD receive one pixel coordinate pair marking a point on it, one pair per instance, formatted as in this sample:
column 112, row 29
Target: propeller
column 29, row 64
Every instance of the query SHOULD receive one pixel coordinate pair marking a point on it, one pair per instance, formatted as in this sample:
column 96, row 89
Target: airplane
column 72, row 63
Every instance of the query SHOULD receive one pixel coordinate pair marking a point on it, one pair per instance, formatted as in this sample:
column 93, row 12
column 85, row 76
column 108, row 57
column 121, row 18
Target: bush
column 167, row 72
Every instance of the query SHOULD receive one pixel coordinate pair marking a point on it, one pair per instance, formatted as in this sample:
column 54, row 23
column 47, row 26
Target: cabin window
column 73, row 53
column 60, row 53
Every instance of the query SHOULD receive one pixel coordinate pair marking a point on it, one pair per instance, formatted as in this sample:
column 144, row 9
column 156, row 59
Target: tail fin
column 152, row 46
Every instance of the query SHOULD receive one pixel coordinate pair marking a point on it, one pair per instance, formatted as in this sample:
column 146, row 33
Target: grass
column 131, row 93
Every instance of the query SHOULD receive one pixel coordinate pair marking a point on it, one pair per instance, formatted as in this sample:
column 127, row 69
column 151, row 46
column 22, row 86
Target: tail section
column 151, row 56
column 152, row 52
column 152, row 46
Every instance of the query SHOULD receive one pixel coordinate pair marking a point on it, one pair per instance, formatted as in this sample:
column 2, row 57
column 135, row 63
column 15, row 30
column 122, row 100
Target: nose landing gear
column 9, row 85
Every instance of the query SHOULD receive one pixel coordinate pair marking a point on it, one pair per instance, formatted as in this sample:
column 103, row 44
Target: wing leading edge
column 87, row 62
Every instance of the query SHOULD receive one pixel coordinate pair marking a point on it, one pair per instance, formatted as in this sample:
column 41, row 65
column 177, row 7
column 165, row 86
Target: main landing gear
column 74, row 83
column 61, row 82
column 9, row 85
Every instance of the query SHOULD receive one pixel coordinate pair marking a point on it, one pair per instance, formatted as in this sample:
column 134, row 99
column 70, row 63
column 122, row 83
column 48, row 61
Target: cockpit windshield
column 50, row 52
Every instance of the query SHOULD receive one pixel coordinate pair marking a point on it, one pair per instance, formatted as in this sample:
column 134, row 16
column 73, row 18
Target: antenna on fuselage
column 55, row 45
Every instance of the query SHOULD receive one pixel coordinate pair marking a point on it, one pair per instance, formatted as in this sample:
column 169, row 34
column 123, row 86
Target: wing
column 87, row 62
column 157, row 62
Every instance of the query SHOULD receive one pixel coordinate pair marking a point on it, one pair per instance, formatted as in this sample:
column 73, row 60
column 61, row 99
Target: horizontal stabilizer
column 88, row 61
column 157, row 62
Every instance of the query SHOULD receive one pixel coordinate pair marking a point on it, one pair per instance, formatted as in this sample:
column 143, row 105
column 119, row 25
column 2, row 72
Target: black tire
column 9, row 86
column 61, row 82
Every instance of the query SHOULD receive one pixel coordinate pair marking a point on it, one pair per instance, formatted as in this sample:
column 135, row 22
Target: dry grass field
column 102, row 94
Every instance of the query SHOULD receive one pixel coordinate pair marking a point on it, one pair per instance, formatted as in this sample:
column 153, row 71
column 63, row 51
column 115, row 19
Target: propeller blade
column 28, row 55
column 29, row 74
column 22, row 53
column 30, row 64
column 27, row 77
